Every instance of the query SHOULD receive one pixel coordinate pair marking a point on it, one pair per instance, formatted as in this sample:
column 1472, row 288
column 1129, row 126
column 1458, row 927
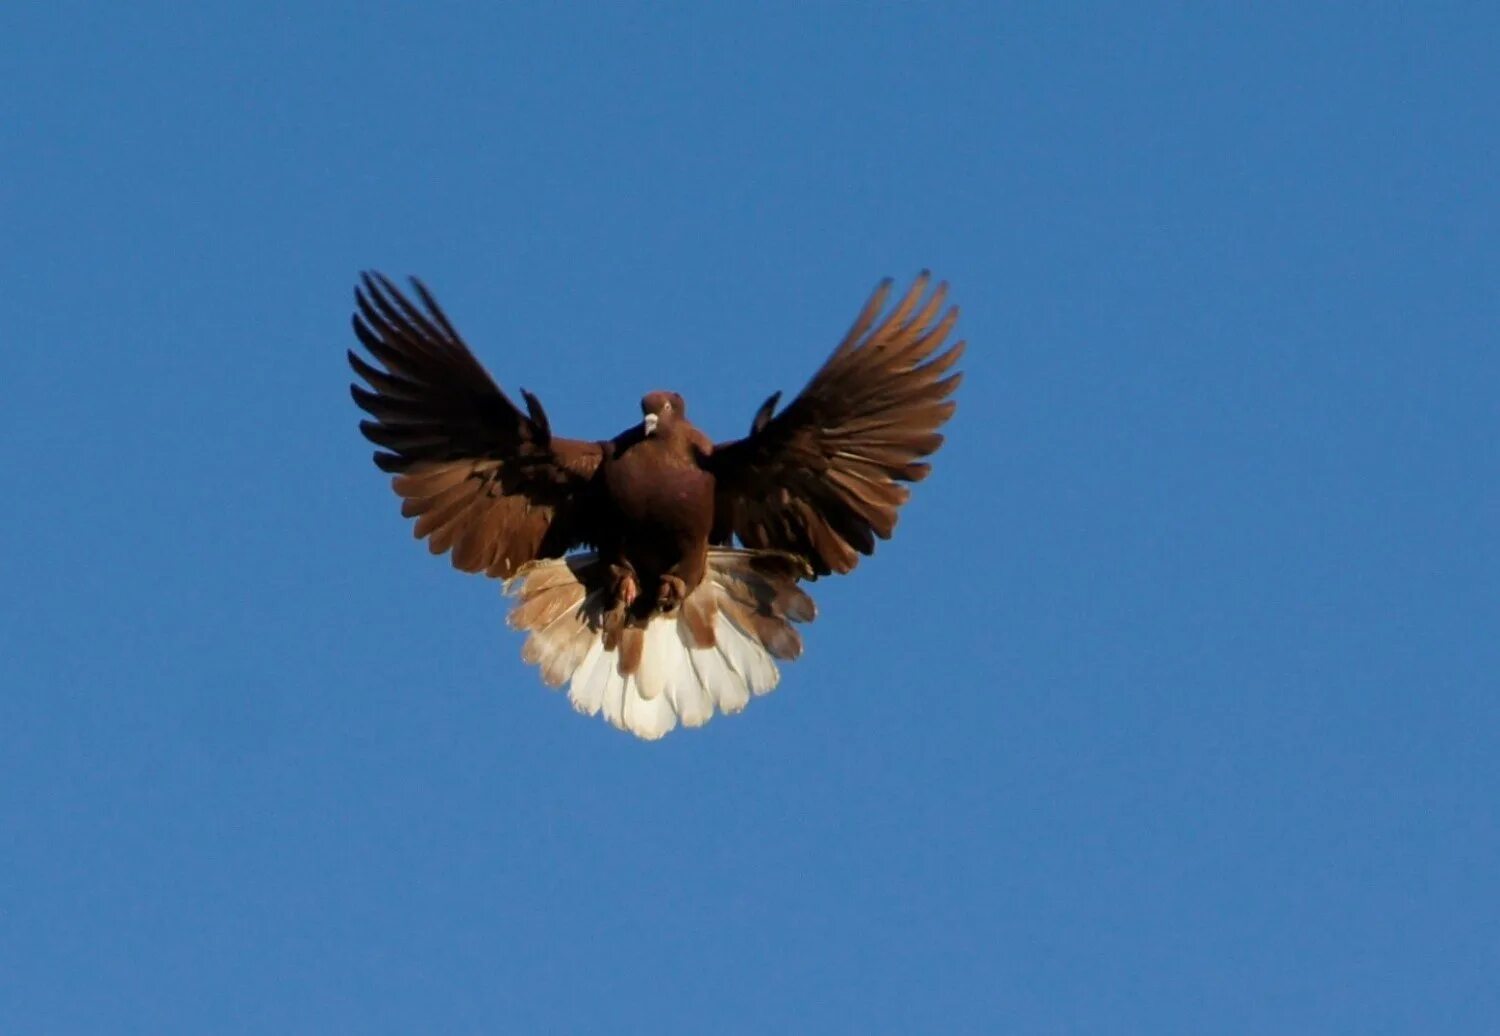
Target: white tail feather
column 689, row 695
column 648, row 718
column 715, row 673
column 586, row 692
column 746, row 656
column 613, row 698
column 745, row 597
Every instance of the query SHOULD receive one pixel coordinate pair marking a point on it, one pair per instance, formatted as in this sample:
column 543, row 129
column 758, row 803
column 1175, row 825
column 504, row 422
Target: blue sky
column 1171, row 707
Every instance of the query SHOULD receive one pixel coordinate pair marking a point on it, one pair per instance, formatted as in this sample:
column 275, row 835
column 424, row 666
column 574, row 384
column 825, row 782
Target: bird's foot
column 624, row 588
column 670, row 593
column 623, row 585
column 612, row 621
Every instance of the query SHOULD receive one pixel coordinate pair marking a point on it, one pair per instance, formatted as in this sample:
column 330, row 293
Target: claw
column 623, row 585
column 670, row 592
column 624, row 589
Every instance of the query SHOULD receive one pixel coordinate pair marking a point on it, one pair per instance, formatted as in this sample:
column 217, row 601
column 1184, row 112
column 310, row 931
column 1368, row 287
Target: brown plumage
column 655, row 624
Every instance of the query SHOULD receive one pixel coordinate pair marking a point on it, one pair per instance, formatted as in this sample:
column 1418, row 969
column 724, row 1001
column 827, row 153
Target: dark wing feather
column 482, row 478
column 823, row 478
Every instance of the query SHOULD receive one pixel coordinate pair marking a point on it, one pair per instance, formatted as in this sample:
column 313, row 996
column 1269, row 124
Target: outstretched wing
column 483, row 479
column 823, row 478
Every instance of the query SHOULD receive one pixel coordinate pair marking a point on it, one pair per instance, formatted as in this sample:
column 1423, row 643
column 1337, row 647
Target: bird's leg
column 681, row 579
column 624, row 587
column 670, row 593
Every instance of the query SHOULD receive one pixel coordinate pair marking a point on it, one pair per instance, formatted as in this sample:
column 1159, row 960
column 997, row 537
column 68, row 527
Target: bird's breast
column 652, row 492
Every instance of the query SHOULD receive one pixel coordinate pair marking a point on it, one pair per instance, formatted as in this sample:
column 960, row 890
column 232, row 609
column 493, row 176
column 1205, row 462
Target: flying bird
column 620, row 552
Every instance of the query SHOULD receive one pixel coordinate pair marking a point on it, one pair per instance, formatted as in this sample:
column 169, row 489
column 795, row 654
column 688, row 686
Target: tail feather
column 717, row 651
column 692, row 699
column 613, row 703
column 648, row 718
column 745, row 655
column 586, row 692
column 716, row 675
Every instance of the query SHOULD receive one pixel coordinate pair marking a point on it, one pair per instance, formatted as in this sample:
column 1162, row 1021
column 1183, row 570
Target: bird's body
column 662, row 621
column 662, row 498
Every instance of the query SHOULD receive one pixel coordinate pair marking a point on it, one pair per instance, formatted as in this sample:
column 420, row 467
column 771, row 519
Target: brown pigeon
column 662, row 621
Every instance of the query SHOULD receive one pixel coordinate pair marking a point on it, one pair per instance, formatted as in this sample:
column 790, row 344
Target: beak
column 649, row 423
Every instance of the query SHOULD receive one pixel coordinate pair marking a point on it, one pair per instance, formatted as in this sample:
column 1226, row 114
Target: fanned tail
column 715, row 653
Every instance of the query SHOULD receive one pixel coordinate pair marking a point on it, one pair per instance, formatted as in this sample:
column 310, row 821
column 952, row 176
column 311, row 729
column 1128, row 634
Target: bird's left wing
column 823, row 478
column 482, row 478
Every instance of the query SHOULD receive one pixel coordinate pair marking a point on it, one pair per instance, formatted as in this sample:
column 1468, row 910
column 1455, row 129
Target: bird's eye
column 666, row 406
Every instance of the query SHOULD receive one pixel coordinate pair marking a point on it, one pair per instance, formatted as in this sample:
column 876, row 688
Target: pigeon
column 657, row 574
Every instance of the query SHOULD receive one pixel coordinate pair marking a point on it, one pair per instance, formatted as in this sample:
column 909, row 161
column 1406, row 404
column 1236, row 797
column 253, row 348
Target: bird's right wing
column 482, row 478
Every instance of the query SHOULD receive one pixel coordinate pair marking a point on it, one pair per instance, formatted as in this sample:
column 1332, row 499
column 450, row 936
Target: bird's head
column 661, row 410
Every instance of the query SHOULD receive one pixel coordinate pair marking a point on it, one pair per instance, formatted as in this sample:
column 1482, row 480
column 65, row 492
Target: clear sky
column 1171, row 707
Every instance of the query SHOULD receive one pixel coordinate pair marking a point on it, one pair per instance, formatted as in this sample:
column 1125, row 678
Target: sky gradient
column 1171, row 706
